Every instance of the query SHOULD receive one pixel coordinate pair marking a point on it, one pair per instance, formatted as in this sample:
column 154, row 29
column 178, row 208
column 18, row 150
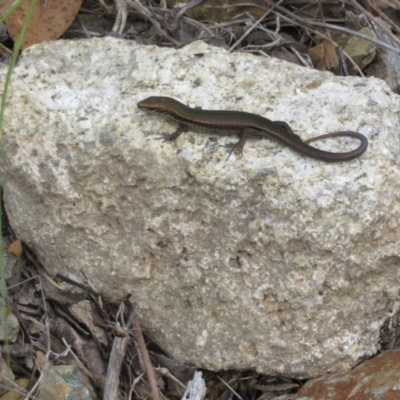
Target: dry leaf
column 392, row 3
column 331, row 58
column 86, row 313
column 15, row 249
column 50, row 19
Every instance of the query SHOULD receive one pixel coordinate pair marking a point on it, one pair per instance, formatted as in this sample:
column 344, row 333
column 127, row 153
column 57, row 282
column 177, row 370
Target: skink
column 246, row 125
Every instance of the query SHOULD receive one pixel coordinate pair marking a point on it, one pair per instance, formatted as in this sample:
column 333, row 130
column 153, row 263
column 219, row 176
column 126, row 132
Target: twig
column 47, row 361
column 134, row 383
column 145, row 356
column 114, row 368
column 341, row 58
column 165, row 372
column 306, row 22
column 249, row 30
column 146, row 14
column 179, row 15
column 230, row 388
column 316, row 32
column 77, row 284
column 196, row 388
column 299, row 56
column 353, row 63
column 18, row 389
column 378, row 21
column 122, row 14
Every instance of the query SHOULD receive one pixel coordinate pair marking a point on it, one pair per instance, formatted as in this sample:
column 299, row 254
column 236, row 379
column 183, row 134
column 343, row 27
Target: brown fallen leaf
column 86, row 313
column 15, row 249
column 50, row 19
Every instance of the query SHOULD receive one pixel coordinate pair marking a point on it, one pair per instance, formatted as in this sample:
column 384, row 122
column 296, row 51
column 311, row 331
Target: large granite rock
column 272, row 261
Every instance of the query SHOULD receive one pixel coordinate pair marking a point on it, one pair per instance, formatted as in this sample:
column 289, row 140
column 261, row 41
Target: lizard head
column 158, row 104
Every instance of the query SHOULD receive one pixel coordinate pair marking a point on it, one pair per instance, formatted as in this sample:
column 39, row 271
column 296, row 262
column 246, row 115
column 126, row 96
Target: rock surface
column 66, row 382
column 271, row 261
column 376, row 379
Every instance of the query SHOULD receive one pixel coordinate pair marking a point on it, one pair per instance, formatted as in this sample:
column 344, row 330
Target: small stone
column 376, row 379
